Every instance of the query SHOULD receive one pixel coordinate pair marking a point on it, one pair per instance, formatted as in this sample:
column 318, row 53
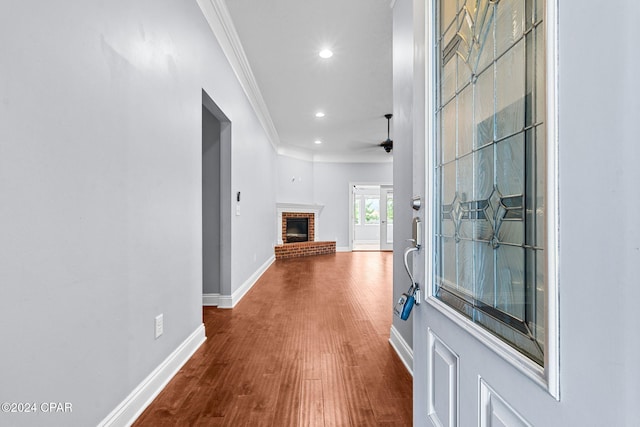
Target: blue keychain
column 406, row 302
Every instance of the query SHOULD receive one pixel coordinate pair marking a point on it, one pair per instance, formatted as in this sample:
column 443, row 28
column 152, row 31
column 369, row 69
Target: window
column 357, row 201
column 372, row 210
column 490, row 149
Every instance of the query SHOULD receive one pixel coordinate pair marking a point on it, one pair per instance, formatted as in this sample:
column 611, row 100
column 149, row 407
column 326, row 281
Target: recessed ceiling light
column 325, row 53
column 319, row 114
column 317, row 141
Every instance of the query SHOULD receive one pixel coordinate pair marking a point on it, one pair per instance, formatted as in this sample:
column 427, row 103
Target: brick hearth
column 294, row 250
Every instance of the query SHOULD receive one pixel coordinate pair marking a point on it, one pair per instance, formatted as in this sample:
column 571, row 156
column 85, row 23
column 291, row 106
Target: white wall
column 367, row 233
column 331, row 189
column 295, row 180
column 100, row 177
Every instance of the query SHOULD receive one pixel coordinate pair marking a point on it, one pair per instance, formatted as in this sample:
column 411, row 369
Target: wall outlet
column 159, row 325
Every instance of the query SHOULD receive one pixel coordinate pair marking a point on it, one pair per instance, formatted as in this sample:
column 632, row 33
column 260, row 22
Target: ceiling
column 282, row 39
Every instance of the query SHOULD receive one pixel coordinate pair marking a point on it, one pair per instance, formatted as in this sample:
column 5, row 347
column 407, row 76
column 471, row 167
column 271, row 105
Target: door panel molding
column 494, row 411
column 443, row 369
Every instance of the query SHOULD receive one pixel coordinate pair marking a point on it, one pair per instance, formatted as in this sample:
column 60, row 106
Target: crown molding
column 295, row 153
column 217, row 15
column 352, row 158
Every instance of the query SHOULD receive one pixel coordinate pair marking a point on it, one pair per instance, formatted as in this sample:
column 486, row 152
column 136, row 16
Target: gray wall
column 211, row 236
column 101, row 212
column 599, row 255
column 402, row 152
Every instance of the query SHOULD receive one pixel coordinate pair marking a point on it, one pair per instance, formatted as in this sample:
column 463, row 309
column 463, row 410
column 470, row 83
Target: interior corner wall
column 295, row 180
column 101, row 213
column 331, row 189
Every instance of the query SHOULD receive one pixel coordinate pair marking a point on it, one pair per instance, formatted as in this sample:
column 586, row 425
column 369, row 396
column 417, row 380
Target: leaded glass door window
column 489, row 258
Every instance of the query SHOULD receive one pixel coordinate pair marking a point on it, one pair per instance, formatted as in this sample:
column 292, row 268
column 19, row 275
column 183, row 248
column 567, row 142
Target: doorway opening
column 371, row 217
column 216, row 207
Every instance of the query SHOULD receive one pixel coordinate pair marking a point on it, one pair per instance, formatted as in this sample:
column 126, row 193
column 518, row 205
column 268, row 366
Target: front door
column 487, row 337
column 531, row 252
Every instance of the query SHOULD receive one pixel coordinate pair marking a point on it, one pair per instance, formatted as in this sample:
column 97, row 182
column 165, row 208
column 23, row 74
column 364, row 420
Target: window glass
column 389, row 217
column 372, row 210
column 489, row 170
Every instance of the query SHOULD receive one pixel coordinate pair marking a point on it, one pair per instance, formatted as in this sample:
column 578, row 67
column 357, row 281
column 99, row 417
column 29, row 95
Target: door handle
column 416, row 231
column 412, row 296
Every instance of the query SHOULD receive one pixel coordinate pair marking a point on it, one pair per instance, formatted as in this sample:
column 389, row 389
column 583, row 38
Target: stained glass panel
column 510, row 92
column 509, row 24
column 510, row 280
column 449, row 132
column 483, row 102
column 484, row 273
column 465, row 121
column 509, row 173
column 449, row 80
column 490, row 167
column 466, row 277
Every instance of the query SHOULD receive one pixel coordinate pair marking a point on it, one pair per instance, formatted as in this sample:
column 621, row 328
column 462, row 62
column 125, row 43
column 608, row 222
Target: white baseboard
column 211, row 300
column 343, row 249
column 230, row 301
column 130, row 408
column 402, row 349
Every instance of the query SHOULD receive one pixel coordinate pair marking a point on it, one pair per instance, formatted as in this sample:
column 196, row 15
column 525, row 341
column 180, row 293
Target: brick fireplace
column 287, row 249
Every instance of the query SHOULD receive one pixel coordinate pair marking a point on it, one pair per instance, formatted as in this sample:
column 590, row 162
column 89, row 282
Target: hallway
column 307, row 346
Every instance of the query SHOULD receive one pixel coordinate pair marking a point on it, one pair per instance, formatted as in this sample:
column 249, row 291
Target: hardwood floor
column 307, row 346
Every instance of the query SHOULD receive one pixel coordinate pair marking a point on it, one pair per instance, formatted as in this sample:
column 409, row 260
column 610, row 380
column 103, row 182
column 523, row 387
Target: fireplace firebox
column 297, row 230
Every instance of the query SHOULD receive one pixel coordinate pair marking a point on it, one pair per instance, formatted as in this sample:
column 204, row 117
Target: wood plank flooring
column 307, row 346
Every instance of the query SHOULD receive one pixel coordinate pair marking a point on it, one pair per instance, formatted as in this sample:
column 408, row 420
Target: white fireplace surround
column 297, row 208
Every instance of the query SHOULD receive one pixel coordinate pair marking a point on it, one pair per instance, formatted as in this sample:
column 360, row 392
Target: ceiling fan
column 388, row 144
